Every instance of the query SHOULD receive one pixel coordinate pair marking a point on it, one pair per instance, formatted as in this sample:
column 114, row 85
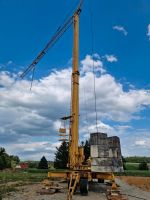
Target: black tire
column 84, row 187
column 100, row 180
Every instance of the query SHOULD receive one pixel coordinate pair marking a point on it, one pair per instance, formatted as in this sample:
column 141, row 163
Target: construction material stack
column 105, row 153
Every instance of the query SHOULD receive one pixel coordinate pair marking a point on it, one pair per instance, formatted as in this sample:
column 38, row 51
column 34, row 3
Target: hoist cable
column 86, row 115
column 92, row 52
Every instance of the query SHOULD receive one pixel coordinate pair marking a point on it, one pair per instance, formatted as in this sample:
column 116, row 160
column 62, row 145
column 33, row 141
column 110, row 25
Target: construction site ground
column 97, row 191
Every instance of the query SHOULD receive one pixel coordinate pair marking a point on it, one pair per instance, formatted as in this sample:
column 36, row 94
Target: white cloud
column 111, row 58
column 140, row 142
column 88, row 63
column 30, row 116
column 148, row 31
column 120, row 29
column 34, row 150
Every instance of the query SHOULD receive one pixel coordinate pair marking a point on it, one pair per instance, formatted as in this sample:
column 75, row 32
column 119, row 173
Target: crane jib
column 60, row 31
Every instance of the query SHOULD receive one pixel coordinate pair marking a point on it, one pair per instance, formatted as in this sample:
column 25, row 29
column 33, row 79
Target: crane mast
column 74, row 122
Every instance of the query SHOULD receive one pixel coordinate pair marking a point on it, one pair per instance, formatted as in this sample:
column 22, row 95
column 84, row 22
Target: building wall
column 105, row 153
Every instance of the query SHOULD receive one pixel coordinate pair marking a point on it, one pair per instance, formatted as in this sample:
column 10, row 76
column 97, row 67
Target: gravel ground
column 30, row 192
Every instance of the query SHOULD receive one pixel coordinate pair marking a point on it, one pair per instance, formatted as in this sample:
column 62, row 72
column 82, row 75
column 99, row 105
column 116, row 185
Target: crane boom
column 60, row 31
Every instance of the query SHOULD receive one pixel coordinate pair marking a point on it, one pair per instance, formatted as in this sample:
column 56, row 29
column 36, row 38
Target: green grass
column 144, row 173
column 21, row 176
column 132, row 166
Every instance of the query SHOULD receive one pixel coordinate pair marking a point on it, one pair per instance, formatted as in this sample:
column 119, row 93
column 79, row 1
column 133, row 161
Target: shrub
column 143, row 166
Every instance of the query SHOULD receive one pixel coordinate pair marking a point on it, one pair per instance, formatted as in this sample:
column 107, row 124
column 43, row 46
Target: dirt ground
column 31, row 192
column 96, row 190
column 141, row 182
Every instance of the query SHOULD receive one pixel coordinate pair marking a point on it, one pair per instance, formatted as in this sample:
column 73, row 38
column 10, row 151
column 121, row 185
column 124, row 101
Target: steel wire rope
column 92, row 52
column 86, row 115
column 32, row 79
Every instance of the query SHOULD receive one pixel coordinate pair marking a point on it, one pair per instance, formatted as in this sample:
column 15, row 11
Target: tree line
column 137, row 159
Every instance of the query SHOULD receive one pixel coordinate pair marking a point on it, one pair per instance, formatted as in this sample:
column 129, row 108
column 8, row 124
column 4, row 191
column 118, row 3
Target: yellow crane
column 78, row 174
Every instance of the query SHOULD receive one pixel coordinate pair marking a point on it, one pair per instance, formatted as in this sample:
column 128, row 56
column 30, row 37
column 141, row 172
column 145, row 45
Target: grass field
column 21, row 176
column 139, row 173
column 132, row 166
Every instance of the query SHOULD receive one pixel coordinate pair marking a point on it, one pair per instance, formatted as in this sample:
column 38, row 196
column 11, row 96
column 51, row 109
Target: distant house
column 22, row 166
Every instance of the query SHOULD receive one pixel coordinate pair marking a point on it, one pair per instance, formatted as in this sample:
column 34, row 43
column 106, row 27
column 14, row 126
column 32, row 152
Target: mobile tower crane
column 78, row 173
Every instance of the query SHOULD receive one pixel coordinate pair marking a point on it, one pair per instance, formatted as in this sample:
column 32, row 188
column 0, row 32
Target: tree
column 2, row 163
column 43, row 164
column 5, row 161
column 86, row 149
column 61, row 156
column 15, row 158
column 32, row 164
column 124, row 163
column 143, row 166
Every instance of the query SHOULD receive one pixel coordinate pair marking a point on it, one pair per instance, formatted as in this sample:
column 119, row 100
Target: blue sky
column 122, row 45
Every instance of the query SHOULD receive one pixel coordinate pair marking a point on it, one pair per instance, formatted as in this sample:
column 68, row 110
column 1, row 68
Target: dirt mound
column 140, row 182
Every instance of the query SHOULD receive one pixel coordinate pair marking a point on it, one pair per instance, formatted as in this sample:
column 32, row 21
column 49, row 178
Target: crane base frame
column 82, row 174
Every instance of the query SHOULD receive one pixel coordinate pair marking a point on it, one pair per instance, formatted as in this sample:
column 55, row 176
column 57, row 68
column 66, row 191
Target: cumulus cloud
column 148, row 31
column 140, row 142
column 91, row 62
column 34, row 150
column 120, row 29
column 30, row 120
column 136, row 143
column 111, row 58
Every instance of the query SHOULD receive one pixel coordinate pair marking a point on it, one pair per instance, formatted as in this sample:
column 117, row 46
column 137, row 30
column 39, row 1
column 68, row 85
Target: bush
column 33, row 164
column 143, row 166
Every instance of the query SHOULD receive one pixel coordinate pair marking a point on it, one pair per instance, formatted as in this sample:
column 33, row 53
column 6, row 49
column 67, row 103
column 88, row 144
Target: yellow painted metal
column 74, row 180
column 60, row 174
column 73, row 145
column 62, row 130
column 104, row 176
column 81, row 155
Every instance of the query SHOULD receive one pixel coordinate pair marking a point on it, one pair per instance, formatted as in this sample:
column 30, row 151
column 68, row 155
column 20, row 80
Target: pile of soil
column 141, row 182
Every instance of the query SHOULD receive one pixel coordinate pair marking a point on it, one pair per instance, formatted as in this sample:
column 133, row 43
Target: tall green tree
column 124, row 163
column 61, row 156
column 86, row 146
column 5, row 161
column 43, row 164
